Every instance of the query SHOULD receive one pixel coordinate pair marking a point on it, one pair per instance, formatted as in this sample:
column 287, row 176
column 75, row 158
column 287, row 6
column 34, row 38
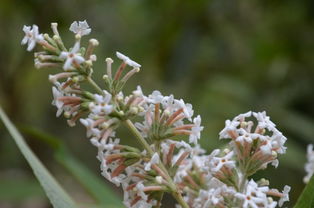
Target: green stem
column 139, row 137
column 94, row 84
column 180, row 199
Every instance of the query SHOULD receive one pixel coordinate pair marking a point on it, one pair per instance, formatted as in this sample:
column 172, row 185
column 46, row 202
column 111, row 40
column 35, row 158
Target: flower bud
column 67, row 114
column 105, row 77
column 104, row 125
column 159, row 179
column 134, row 110
column 89, row 63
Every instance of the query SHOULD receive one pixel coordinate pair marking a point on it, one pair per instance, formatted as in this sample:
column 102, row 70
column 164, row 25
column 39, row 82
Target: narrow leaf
column 96, row 187
column 306, row 198
column 57, row 196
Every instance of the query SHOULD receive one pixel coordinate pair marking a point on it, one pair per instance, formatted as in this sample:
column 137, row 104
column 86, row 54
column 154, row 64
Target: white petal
column 67, row 64
column 24, row 41
column 79, row 59
column 31, row 45
column 74, row 27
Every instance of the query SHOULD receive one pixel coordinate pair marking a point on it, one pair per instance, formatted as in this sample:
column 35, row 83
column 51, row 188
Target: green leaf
column 57, row 196
column 96, row 187
column 306, row 198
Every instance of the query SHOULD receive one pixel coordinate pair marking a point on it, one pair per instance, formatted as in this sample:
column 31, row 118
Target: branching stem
column 129, row 124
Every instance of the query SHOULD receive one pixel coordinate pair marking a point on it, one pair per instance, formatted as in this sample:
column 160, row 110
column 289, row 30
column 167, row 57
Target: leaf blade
column 56, row 194
column 306, row 198
column 96, row 187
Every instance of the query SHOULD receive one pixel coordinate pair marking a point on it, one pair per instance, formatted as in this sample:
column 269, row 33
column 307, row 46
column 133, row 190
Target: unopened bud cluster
column 170, row 159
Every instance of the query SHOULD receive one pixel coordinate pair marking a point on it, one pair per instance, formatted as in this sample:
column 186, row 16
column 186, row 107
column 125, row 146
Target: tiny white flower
column 95, row 142
column 101, row 105
column 187, row 108
column 245, row 138
column 31, row 37
column 218, row 162
column 81, row 28
column 214, row 195
column 285, row 196
column 233, row 125
column 140, row 190
column 155, row 97
column 254, row 196
column 168, row 103
column 196, row 130
column 266, row 148
column 278, row 141
column 88, row 123
column 155, row 159
column 264, row 121
column 229, row 126
column 72, row 57
column 59, row 104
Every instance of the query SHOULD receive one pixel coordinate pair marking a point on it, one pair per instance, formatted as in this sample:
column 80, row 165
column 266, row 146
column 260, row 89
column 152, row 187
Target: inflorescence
column 170, row 159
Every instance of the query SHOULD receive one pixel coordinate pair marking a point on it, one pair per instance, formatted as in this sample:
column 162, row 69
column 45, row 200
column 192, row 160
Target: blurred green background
column 224, row 57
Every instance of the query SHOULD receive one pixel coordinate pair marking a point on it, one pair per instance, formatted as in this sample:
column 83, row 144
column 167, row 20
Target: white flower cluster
column 130, row 169
column 133, row 176
column 214, row 196
column 168, row 114
column 265, row 139
column 255, row 196
column 221, row 179
column 168, row 163
column 63, row 100
column 72, row 59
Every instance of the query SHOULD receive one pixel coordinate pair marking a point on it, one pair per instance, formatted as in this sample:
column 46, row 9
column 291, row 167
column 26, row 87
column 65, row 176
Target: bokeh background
column 224, row 57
